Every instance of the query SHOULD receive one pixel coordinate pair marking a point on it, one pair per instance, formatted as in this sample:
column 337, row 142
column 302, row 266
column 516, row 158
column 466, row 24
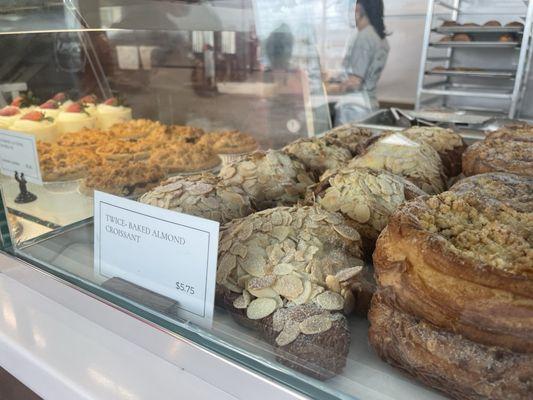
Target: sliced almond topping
column 347, row 274
column 347, row 232
column 261, row 282
column 283, row 269
column 316, row 324
column 306, row 294
column 288, row 334
column 289, row 286
column 261, row 308
column 332, row 283
column 330, row 301
column 263, row 293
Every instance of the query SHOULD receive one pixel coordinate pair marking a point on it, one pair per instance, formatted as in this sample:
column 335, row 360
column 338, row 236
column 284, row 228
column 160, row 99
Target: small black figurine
column 24, row 196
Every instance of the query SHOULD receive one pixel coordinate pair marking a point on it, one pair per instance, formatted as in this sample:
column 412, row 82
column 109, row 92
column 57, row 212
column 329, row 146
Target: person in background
column 363, row 63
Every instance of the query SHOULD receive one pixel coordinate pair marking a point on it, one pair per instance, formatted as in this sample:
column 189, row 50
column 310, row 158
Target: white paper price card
column 169, row 253
column 18, row 153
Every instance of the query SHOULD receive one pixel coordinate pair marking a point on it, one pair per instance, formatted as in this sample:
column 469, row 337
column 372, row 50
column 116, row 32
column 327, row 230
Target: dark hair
column 374, row 10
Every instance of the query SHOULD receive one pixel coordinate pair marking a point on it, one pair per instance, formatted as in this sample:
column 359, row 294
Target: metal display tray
column 475, row 44
column 475, row 74
column 479, row 29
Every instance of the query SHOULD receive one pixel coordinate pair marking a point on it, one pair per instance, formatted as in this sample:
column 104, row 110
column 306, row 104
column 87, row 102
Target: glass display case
column 186, row 105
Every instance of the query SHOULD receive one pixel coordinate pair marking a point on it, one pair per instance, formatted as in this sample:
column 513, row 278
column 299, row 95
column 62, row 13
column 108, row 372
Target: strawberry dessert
column 74, row 118
column 50, row 108
column 112, row 111
column 38, row 124
column 8, row 115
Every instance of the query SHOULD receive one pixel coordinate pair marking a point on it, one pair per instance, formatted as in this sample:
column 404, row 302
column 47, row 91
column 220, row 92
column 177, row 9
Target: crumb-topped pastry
column 122, row 150
column 230, row 142
column 461, row 368
column 499, row 155
column 446, row 142
column 518, row 132
column 64, row 164
column 463, row 264
column 177, row 133
column 89, row 138
column 185, row 158
column 205, row 196
column 318, row 155
column 512, row 190
column 366, row 197
column 137, row 129
column 282, row 260
column 122, row 178
column 349, row 136
column 415, row 161
column 270, row 178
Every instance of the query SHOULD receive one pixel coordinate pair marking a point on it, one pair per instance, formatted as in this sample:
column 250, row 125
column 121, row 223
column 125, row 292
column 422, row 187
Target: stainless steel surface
column 467, row 93
column 475, row 44
column 477, row 29
column 475, row 74
column 522, row 62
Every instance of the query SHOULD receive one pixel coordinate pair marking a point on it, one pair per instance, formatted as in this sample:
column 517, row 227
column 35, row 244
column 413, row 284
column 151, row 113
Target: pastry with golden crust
column 121, row 150
column 88, row 138
column 177, row 133
column 123, row 178
column 289, row 272
column 461, row 368
column 493, row 23
column 415, row 161
column 512, row 190
column 517, row 132
column 462, row 37
column 205, row 196
column 137, row 129
column 446, row 142
column 349, row 136
column 177, row 158
column 464, row 265
column 367, row 198
column 230, row 142
column 270, row 178
column 64, row 164
column 318, row 155
column 499, row 155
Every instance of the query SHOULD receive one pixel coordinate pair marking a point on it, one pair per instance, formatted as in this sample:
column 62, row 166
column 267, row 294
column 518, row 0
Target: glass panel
column 138, row 99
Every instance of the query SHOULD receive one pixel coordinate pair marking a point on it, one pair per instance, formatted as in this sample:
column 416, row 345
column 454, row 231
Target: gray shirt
column 366, row 57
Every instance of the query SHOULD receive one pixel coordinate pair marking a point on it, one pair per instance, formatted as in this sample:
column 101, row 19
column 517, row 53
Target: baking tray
column 474, row 74
column 475, row 44
column 478, row 29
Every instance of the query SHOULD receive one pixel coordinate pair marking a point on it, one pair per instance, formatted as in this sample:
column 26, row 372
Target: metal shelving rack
column 504, row 87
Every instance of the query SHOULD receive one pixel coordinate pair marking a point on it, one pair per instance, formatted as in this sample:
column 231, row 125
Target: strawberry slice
column 50, row 105
column 18, row 101
column 9, row 111
column 60, row 97
column 74, row 108
column 33, row 116
column 112, row 101
column 89, row 99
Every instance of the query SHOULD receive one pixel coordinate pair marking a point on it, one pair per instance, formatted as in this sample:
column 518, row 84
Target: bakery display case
column 354, row 262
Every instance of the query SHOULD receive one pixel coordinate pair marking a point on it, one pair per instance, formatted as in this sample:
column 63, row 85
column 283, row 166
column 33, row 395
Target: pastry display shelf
column 467, row 90
column 364, row 377
column 446, row 30
column 475, row 44
column 51, row 210
column 507, row 74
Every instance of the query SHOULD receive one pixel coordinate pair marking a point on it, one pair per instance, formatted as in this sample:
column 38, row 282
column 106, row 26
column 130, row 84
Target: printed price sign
column 18, row 153
column 169, row 253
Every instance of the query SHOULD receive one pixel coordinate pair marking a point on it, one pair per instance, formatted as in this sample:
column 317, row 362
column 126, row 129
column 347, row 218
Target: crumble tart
column 136, row 129
column 59, row 164
column 124, row 178
column 185, row 158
